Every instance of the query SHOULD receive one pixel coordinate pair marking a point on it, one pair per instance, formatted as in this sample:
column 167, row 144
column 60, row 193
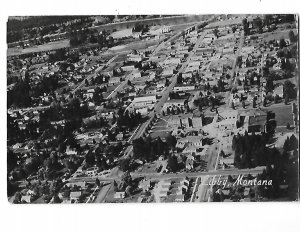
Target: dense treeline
column 39, row 21
column 149, row 149
column 281, row 167
column 251, row 150
column 129, row 119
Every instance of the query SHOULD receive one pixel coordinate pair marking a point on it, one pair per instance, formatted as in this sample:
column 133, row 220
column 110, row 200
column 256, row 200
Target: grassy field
column 283, row 115
column 277, row 35
column 161, row 134
column 44, row 47
column 225, row 23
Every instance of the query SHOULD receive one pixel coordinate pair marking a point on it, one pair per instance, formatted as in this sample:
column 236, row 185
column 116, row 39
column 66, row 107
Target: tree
column 246, row 26
column 265, row 102
column 289, row 89
column 286, row 145
column 282, row 43
column 18, row 197
column 243, row 103
column 124, row 165
column 267, row 20
column 270, row 127
column 171, row 140
column 258, row 24
column 286, row 99
column 86, row 82
column 110, row 41
column 221, row 87
column 56, row 199
column 276, row 99
column 254, row 103
column 93, row 39
column 97, row 182
column 292, row 36
column 90, row 159
column 222, row 153
column 173, row 163
column 269, row 85
column 216, row 32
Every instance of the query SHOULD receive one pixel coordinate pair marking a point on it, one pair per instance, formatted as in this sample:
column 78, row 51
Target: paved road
column 158, row 106
column 130, row 76
column 235, row 68
column 25, row 110
column 158, row 176
column 102, row 193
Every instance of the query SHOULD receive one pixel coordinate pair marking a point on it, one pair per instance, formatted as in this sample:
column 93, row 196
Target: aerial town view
column 152, row 108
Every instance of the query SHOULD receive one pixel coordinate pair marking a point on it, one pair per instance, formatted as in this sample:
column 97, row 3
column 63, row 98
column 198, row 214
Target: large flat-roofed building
column 175, row 103
column 184, row 88
column 227, row 120
column 144, row 100
column 187, row 120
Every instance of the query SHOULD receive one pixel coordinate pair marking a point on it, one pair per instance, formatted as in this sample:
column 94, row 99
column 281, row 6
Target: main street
column 202, row 194
column 130, row 76
column 158, row 106
column 234, row 67
column 160, row 176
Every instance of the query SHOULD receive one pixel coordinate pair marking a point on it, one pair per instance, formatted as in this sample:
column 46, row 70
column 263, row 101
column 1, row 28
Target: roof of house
column 75, row 194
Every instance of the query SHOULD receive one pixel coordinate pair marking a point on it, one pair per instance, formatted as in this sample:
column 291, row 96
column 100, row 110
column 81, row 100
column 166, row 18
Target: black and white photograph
column 187, row 111
column 152, row 108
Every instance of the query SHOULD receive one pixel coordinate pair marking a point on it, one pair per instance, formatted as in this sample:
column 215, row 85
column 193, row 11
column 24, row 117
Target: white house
column 119, row 195
column 74, row 196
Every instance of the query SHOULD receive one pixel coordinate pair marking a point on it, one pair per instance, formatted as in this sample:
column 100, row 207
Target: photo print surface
column 152, row 108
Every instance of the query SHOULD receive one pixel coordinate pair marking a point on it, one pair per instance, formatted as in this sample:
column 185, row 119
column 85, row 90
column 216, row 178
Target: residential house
column 278, row 91
column 120, row 137
column 128, row 68
column 119, row 195
column 167, row 72
column 74, row 196
column 143, row 111
column 114, row 80
column 189, row 164
column 26, row 198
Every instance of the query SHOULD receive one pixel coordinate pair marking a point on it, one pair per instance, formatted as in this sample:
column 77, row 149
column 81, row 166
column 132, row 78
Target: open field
column 277, row 35
column 44, row 47
column 283, row 114
column 161, row 134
